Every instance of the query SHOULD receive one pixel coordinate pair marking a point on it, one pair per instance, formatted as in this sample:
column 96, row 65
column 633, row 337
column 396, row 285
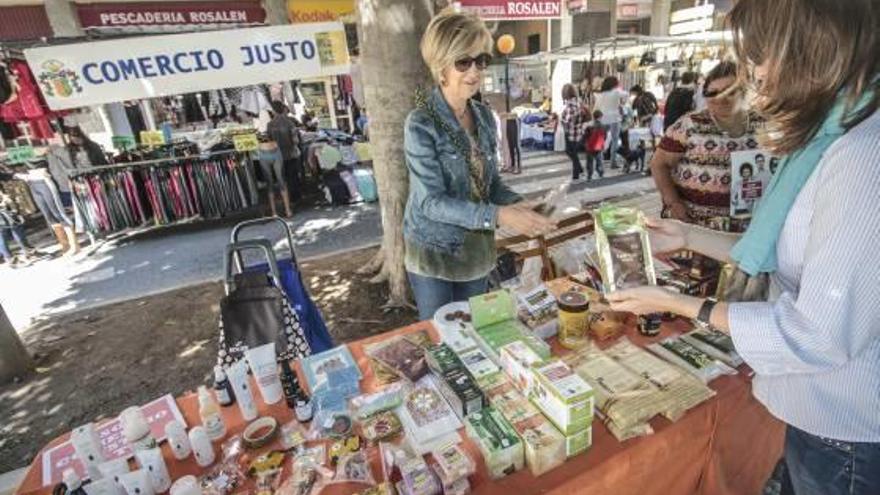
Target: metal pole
column 507, row 82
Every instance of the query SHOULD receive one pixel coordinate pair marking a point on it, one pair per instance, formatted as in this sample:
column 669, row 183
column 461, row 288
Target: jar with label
column 574, row 319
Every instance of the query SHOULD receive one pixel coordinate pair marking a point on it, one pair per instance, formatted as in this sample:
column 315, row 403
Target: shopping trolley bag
column 255, row 311
column 291, row 281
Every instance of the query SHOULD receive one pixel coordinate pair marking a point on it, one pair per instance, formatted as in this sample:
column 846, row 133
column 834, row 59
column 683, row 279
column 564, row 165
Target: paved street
column 135, row 266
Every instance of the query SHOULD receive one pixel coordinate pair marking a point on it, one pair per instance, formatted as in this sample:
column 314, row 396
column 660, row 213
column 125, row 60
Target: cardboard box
column 517, row 360
column 478, row 364
column 494, row 307
column 579, row 442
column 563, row 396
column 499, row 443
column 544, row 446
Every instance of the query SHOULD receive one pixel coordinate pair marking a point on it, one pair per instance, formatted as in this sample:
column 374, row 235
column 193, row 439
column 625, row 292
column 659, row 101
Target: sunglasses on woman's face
column 482, row 60
column 715, row 93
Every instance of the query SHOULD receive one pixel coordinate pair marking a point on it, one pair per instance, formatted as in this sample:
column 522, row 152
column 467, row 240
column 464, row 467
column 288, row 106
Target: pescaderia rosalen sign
column 85, row 74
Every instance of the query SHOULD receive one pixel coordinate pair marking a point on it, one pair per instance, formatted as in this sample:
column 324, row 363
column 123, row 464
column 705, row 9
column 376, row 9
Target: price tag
column 245, row 142
column 124, row 143
column 152, row 138
column 20, row 154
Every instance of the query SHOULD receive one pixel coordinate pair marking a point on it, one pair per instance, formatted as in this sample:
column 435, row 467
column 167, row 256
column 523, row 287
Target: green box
column 478, row 364
column 563, row 396
column 498, row 442
column 579, row 442
column 494, row 307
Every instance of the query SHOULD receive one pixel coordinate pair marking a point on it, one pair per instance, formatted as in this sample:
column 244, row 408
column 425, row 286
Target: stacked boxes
column 544, row 445
column 516, row 360
column 496, row 325
column 499, row 443
column 567, row 401
column 456, row 385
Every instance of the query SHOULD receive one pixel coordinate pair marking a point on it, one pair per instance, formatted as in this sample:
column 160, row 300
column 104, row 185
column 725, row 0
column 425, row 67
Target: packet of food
column 623, row 247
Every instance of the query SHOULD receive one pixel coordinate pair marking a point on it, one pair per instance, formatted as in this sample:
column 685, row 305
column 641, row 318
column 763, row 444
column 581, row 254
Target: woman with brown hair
column 815, row 346
column 692, row 165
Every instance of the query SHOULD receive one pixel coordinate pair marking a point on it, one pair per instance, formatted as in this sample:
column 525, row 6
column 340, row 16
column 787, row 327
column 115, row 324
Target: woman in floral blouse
column 692, row 165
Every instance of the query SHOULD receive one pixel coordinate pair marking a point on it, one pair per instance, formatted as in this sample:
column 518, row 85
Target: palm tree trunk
column 389, row 32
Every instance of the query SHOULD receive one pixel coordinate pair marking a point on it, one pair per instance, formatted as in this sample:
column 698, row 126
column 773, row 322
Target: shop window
column 534, row 43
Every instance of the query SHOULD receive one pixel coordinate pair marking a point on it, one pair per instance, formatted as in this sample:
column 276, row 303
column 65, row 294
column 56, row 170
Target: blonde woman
column 456, row 198
column 815, row 346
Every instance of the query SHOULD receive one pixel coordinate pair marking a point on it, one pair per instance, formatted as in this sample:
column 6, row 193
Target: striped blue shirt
column 815, row 348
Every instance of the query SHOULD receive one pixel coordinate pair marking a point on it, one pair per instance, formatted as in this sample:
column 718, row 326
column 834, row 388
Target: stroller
column 264, row 298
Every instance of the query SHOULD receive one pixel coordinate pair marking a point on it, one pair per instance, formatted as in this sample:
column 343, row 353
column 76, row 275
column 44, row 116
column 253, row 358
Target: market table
column 727, row 445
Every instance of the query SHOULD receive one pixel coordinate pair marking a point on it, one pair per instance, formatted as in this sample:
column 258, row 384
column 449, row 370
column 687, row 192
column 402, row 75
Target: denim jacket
column 439, row 209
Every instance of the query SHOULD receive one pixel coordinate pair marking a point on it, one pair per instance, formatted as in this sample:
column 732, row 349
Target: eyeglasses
column 482, row 60
column 720, row 92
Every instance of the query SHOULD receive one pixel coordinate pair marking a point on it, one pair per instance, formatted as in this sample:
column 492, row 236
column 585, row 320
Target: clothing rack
column 164, row 191
column 171, row 160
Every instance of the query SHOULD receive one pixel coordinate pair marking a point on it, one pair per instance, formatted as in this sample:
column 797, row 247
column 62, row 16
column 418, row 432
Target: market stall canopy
column 627, row 46
column 83, row 74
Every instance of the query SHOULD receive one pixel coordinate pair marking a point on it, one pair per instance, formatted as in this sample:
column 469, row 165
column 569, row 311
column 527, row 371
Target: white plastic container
column 238, row 377
column 265, row 369
column 201, row 445
column 178, row 440
column 151, row 460
column 88, row 449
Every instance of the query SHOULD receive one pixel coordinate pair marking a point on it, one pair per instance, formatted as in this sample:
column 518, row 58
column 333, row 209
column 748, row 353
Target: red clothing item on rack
column 28, row 102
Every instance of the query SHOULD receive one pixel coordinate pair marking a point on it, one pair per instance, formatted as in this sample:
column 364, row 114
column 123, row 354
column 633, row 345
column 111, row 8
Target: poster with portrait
column 750, row 173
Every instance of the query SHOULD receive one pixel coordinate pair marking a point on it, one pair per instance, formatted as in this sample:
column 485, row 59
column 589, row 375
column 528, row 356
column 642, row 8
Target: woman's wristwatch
column 705, row 314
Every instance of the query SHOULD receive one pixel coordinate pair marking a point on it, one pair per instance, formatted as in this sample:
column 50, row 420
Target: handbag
column 256, row 312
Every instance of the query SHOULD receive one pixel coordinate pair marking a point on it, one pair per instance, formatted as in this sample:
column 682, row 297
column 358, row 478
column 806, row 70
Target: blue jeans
column 613, row 139
column 18, row 234
column 821, row 466
column 432, row 293
column 594, row 160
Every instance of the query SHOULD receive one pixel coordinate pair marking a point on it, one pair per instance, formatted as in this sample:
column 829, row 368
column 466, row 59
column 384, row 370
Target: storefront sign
column 123, row 143
column 245, row 142
column 159, row 413
column 152, row 138
column 19, row 154
column 513, row 9
column 142, row 15
column 85, row 74
column 303, row 11
column 692, row 20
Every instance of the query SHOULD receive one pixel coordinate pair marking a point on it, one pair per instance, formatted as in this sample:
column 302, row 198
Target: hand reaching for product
column 524, row 221
column 667, row 236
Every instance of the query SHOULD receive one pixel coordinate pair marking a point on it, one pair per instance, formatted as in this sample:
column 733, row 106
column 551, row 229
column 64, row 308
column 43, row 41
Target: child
column 595, row 144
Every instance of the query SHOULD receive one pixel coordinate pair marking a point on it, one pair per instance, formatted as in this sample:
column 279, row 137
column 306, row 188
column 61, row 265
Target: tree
column 14, row 359
column 389, row 32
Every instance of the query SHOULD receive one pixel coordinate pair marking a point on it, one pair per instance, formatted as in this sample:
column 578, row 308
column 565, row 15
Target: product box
column 544, row 446
column 579, row 442
column 563, row 396
column 442, row 359
column 460, row 390
column 517, row 360
column 494, row 307
column 499, row 443
column 511, row 403
column 501, row 334
column 478, row 364
column 538, row 311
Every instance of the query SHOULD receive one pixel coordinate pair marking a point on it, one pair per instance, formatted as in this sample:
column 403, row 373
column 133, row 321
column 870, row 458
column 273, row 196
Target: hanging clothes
column 253, row 100
column 121, row 197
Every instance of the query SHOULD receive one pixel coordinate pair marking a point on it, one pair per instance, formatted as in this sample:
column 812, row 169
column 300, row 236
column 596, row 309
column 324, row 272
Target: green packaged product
column 623, row 247
column 563, row 396
column 494, row 307
column 499, row 443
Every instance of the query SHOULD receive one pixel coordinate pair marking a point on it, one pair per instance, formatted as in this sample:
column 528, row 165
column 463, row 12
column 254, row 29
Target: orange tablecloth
column 727, row 445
